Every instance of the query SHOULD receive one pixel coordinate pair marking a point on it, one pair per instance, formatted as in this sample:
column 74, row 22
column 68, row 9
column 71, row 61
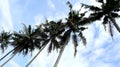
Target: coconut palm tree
column 43, row 40
column 54, row 32
column 107, row 11
column 73, row 28
column 25, row 41
column 5, row 38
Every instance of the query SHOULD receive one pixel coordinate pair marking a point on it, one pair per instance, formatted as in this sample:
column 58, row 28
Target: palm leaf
column 74, row 37
column 92, row 8
column 105, row 21
column 69, row 4
column 110, row 29
column 50, row 47
column 100, row 1
column 114, row 23
column 5, row 38
column 115, row 15
column 83, row 38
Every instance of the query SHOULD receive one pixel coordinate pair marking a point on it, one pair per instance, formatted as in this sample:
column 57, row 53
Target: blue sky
column 101, row 50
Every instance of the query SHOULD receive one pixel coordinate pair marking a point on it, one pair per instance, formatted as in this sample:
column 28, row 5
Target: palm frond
column 92, row 8
column 50, row 47
column 105, row 21
column 25, row 29
column 110, row 29
column 83, row 38
column 75, row 42
column 115, row 15
column 5, row 38
column 100, row 1
column 69, row 4
column 114, row 23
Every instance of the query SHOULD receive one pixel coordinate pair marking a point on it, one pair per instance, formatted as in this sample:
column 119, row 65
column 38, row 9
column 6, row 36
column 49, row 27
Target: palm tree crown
column 107, row 11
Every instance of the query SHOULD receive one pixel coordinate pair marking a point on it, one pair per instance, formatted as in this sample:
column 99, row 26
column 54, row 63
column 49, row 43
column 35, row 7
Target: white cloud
column 93, row 2
column 12, row 64
column 93, row 55
column 57, row 16
column 101, row 51
column 51, row 4
column 43, row 59
column 6, row 19
column 7, row 24
column 39, row 19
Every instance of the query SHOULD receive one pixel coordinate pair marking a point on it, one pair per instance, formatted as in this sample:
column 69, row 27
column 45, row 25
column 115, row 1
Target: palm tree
column 25, row 41
column 57, row 34
column 107, row 11
column 41, row 37
column 54, row 32
column 72, row 28
column 5, row 38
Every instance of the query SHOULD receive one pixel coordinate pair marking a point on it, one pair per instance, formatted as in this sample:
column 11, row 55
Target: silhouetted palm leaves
column 26, row 41
column 57, row 34
column 54, row 30
column 4, row 40
column 74, row 27
column 107, row 11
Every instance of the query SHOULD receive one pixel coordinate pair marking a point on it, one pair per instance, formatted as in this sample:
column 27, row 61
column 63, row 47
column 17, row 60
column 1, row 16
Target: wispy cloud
column 100, row 50
column 51, row 4
column 39, row 19
column 6, row 19
column 12, row 64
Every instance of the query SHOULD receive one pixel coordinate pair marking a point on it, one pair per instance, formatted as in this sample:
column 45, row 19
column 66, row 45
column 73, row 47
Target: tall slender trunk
column 59, row 56
column 114, row 23
column 6, row 54
column 34, row 57
column 13, row 55
column 7, row 60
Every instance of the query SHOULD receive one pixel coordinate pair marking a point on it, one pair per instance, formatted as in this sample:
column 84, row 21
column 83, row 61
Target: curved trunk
column 114, row 23
column 6, row 54
column 34, row 57
column 7, row 60
column 59, row 56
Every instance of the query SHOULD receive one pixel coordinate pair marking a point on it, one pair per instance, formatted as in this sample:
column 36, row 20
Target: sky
column 101, row 50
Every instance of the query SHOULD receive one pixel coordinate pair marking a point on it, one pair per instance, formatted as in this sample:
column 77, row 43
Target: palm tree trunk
column 12, row 56
column 114, row 23
column 6, row 54
column 59, row 56
column 34, row 57
column 7, row 60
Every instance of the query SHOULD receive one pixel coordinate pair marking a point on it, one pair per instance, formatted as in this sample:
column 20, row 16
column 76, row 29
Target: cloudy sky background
column 101, row 50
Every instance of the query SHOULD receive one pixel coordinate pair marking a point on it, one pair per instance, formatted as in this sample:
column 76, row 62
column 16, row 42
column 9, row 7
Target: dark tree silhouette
column 57, row 34
column 107, row 11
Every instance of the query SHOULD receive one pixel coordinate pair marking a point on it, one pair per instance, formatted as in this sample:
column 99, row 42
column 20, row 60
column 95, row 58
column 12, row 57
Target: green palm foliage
column 57, row 34
column 107, row 11
column 26, row 41
column 42, row 38
column 54, row 30
column 4, row 40
column 74, row 28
